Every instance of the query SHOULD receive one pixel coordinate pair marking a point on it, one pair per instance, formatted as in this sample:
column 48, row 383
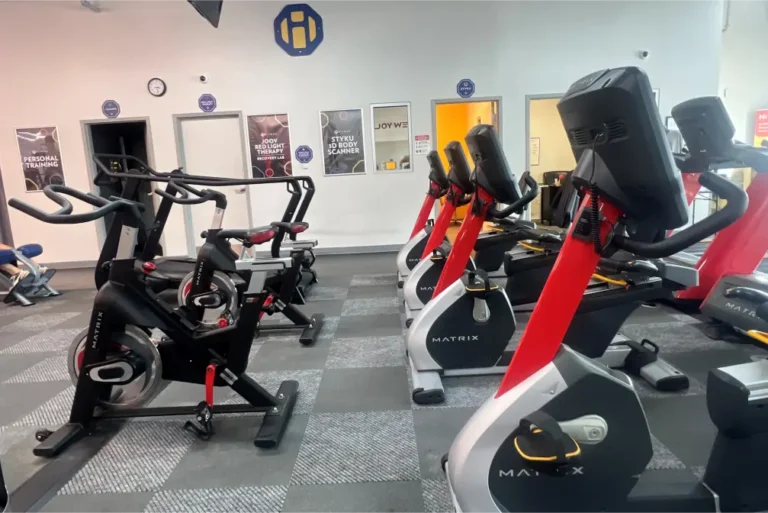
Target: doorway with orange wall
column 452, row 119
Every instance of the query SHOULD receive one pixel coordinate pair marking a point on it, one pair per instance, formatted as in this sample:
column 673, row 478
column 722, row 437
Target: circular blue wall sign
column 207, row 102
column 110, row 109
column 304, row 154
column 465, row 88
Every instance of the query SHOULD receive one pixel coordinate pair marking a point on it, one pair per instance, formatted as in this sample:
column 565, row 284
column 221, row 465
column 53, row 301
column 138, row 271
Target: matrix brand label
column 97, row 329
column 741, row 309
column 572, row 471
column 456, row 338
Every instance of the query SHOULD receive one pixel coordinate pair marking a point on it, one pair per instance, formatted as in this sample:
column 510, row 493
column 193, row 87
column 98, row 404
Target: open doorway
column 452, row 119
column 214, row 145
column 549, row 156
column 124, row 137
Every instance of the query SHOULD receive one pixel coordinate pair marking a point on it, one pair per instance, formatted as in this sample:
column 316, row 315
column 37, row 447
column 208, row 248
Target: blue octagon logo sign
column 110, row 109
column 465, row 88
column 304, row 154
column 207, row 102
column 298, row 29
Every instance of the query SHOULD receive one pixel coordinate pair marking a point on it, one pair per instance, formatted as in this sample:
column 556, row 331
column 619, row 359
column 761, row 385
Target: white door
column 213, row 146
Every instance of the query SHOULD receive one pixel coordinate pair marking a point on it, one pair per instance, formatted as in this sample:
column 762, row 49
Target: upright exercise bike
column 420, row 284
column 122, row 368
column 466, row 327
column 282, row 284
column 133, row 178
column 410, row 254
column 215, row 286
column 564, row 433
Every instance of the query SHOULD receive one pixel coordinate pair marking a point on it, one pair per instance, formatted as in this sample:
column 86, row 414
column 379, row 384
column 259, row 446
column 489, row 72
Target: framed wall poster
column 342, row 142
column 269, row 140
column 392, row 150
column 534, row 151
column 40, row 157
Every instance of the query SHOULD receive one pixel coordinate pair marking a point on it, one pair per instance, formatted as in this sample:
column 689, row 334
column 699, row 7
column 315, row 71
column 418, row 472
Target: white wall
column 60, row 62
column 744, row 67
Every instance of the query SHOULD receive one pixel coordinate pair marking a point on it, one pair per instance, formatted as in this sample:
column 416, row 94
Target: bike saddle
column 251, row 236
column 297, row 227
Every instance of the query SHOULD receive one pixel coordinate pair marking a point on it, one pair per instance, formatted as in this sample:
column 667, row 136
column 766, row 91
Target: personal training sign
column 298, row 30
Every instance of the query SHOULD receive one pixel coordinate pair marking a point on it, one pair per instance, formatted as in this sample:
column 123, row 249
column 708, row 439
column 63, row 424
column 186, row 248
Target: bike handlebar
column 203, row 195
column 64, row 214
column 518, row 205
column 735, row 207
column 177, row 174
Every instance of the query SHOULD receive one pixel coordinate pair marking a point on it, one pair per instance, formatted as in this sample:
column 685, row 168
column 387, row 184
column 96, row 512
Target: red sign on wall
column 761, row 123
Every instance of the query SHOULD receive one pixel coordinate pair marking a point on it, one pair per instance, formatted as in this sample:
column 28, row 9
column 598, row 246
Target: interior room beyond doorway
column 452, row 121
column 548, row 148
column 124, row 137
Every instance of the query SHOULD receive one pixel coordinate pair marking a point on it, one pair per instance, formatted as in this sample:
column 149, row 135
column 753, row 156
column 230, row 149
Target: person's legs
column 14, row 271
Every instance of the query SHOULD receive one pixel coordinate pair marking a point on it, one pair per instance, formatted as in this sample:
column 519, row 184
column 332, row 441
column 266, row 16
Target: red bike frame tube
column 426, row 208
column 443, row 222
column 692, row 188
column 465, row 241
column 738, row 249
column 558, row 302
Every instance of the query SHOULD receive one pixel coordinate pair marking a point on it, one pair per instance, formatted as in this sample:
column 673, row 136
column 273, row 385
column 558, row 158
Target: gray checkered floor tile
column 38, row 322
column 358, row 448
column 309, row 384
column 356, row 441
column 219, row 500
column 371, row 306
column 360, row 280
column 366, row 352
column 54, row 411
column 53, row 368
column 437, row 497
column 120, row 468
column 54, row 340
column 326, row 293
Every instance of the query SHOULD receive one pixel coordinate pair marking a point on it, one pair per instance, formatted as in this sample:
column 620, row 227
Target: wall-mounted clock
column 156, row 87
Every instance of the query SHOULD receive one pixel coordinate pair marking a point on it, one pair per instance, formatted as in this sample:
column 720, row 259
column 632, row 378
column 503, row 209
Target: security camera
column 644, row 54
column 203, row 79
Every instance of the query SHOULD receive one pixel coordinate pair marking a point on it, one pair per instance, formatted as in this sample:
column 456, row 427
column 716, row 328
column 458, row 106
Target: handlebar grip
column 54, row 192
column 529, row 196
column 307, row 182
column 735, row 207
column 748, row 294
column 39, row 214
column 293, row 187
column 183, row 188
column 630, row 266
column 551, row 238
column 207, row 195
column 64, row 214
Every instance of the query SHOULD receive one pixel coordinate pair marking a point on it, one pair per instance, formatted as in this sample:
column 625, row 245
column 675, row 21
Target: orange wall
column 480, row 113
column 453, row 121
